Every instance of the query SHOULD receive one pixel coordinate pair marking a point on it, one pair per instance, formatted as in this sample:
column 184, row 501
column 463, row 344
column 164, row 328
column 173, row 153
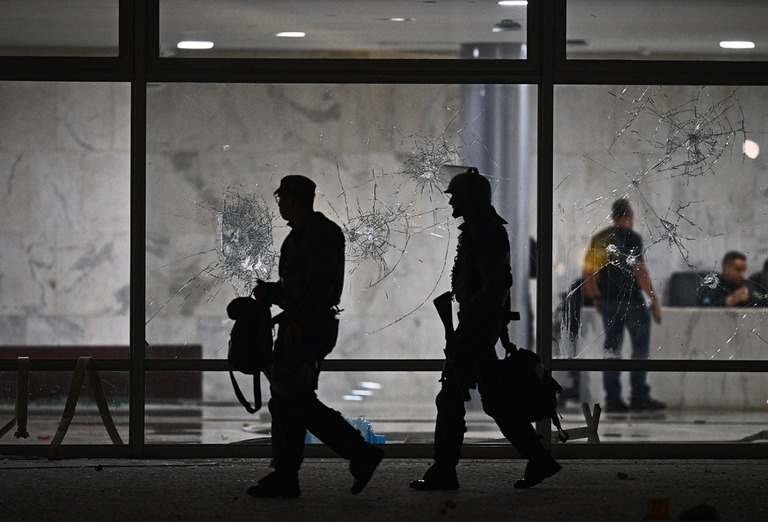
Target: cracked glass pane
column 686, row 162
column 378, row 154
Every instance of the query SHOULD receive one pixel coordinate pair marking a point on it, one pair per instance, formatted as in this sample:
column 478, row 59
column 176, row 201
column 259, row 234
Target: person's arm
column 644, row 281
column 737, row 297
column 323, row 272
column 268, row 291
column 590, row 283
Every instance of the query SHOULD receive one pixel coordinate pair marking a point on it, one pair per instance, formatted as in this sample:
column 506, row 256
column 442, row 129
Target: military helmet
column 471, row 185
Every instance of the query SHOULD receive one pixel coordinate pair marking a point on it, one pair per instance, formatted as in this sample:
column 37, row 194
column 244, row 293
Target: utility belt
column 319, row 333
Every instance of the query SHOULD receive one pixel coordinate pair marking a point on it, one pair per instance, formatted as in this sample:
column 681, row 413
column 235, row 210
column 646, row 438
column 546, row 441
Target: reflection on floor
column 227, row 423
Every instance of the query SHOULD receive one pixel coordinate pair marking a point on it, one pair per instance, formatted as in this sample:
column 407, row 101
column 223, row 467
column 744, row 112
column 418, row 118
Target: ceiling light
column 194, row 44
column 737, row 44
column 506, row 25
column 402, row 19
column 291, row 34
column 751, row 149
column 513, row 3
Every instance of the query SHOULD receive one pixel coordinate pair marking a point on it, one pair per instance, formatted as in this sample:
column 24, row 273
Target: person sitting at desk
column 731, row 289
column 758, row 283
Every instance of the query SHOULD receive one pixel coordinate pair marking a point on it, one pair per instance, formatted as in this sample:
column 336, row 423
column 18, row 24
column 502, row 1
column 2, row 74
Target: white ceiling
column 605, row 28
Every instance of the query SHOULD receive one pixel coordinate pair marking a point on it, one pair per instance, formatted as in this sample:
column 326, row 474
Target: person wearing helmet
column 480, row 284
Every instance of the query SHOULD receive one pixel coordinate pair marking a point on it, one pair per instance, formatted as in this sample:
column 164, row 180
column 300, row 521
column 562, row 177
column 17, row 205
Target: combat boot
column 437, row 478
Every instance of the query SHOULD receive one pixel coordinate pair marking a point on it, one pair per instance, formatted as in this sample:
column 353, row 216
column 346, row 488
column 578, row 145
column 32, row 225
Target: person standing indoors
column 481, row 280
column 311, row 271
column 615, row 277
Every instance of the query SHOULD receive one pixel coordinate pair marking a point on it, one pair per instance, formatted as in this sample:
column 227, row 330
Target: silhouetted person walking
column 311, row 274
column 480, row 281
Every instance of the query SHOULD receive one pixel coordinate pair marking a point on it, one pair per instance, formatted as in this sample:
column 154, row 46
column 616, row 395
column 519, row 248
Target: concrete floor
column 602, row 490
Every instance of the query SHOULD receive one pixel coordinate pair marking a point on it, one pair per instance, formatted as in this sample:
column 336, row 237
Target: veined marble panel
column 13, row 329
column 86, row 116
column 28, row 112
column 27, row 266
column 91, row 276
column 55, row 330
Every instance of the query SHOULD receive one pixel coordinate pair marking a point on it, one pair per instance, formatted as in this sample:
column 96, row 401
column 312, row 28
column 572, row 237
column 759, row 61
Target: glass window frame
column 139, row 63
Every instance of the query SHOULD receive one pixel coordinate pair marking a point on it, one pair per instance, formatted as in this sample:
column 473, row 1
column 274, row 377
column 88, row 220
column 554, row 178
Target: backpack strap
column 562, row 435
column 256, row 392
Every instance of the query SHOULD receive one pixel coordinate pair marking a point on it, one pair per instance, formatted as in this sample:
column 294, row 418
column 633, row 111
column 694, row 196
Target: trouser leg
column 521, row 434
column 288, row 432
column 510, row 420
column 334, row 431
column 612, row 385
column 613, row 324
column 450, row 425
column 639, row 326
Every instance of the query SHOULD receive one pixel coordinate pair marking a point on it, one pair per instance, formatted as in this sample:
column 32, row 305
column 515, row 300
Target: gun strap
column 508, row 345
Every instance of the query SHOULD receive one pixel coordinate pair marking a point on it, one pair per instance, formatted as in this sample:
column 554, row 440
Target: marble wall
column 64, row 213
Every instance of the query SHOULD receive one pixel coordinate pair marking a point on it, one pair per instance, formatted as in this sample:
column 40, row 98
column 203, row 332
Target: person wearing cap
column 311, row 271
column 481, row 280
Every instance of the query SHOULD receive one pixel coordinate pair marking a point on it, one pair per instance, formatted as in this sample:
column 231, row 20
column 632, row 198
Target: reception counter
column 689, row 334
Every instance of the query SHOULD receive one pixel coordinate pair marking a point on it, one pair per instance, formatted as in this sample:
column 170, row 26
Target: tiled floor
column 222, row 424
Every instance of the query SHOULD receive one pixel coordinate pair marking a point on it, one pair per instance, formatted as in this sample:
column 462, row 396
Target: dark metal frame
column 139, row 63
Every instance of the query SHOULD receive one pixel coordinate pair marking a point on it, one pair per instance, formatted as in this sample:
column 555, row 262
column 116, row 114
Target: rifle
column 445, row 311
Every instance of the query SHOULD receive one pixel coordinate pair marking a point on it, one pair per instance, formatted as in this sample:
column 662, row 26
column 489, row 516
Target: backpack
column 531, row 386
column 250, row 344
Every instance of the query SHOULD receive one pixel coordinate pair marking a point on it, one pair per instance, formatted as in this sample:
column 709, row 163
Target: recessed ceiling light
column 736, row 44
column 291, row 34
column 506, row 25
column 402, row 19
column 513, row 3
column 194, row 44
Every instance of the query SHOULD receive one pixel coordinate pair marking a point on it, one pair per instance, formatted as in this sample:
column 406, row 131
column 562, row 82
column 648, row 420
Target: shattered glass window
column 688, row 160
column 378, row 154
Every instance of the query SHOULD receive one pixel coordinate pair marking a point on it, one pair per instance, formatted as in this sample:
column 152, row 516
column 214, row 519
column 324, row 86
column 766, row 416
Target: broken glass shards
column 246, row 252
